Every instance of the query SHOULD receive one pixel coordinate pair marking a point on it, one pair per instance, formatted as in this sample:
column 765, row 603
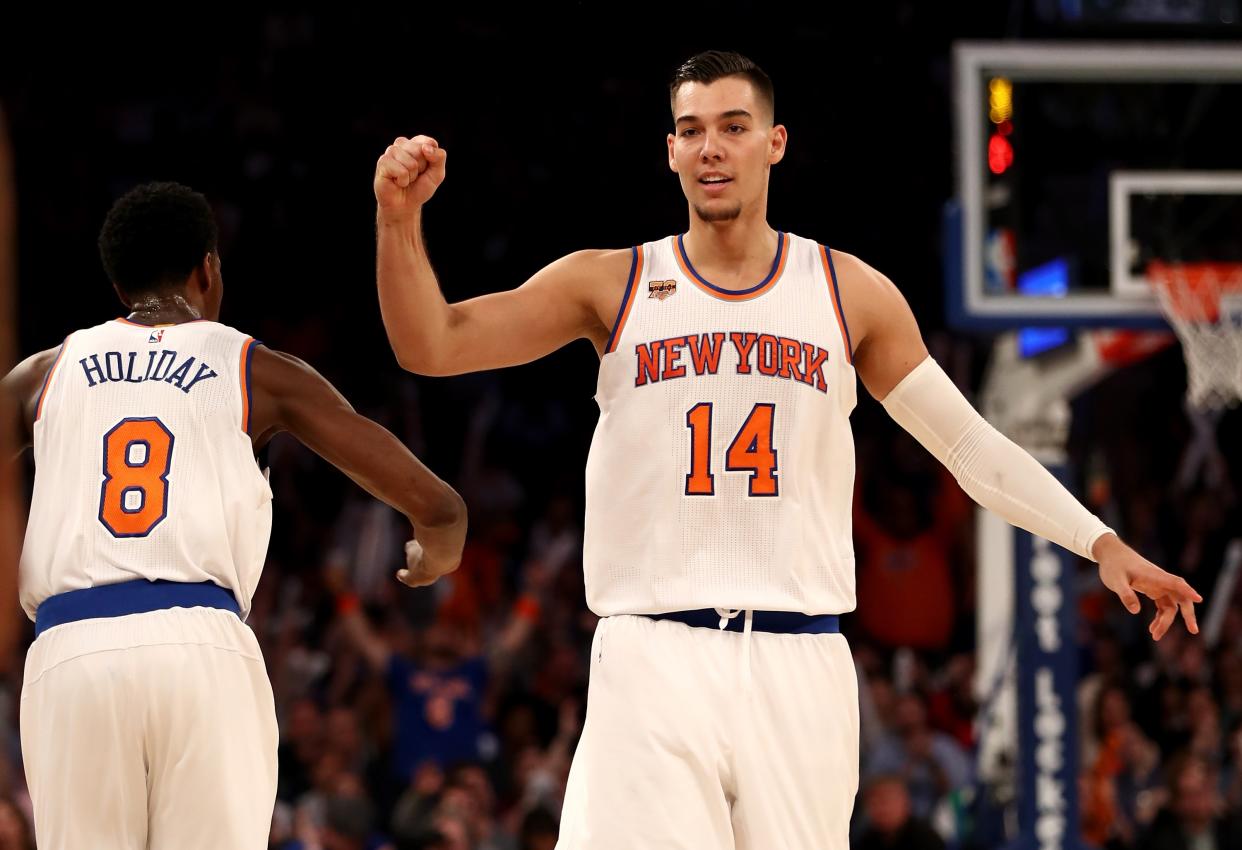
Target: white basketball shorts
column 153, row 730
column 694, row 740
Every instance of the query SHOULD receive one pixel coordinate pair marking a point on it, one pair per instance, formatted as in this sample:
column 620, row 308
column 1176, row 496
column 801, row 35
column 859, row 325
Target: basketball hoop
column 1203, row 303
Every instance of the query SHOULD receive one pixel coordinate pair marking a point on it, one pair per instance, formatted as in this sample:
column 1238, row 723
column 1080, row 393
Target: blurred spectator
column 367, row 538
column 1122, row 789
column 1195, row 818
column 1140, row 790
column 1203, row 726
column 1105, row 667
column 877, row 705
column 15, row 830
column 1179, row 664
column 905, row 538
column 469, row 797
column 438, row 696
column 440, row 693
column 931, row 763
column 890, row 823
column 1229, row 685
column 1110, row 712
column 951, row 706
column 343, row 738
column 346, row 822
column 348, row 825
column 300, row 746
column 412, row 814
column 539, row 831
column 1231, row 779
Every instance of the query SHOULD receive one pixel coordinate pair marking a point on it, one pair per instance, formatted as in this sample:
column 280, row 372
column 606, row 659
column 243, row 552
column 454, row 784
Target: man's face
column 888, row 806
column 722, row 145
column 1195, row 795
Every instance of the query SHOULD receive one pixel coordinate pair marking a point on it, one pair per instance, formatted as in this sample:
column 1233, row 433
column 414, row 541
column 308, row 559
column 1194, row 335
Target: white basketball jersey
column 721, row 473
column 143, row 465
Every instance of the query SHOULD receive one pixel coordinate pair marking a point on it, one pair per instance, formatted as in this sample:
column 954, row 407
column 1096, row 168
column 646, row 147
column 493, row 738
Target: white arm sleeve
column 992, row 469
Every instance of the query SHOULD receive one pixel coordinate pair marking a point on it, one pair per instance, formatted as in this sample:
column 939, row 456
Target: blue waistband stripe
column 130, row 597
column 780, row 622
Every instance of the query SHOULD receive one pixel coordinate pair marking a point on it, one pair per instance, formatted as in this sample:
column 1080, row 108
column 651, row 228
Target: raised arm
column 894, row 365
column 576, row 296
column 289, row 395
column 357, row 630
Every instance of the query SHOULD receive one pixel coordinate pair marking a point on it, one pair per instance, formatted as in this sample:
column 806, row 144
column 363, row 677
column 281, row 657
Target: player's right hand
column 420, row 569
column 1127, row 573
column 407, row 175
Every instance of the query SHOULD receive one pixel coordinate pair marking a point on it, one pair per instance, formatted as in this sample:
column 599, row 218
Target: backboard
column 1078, row 164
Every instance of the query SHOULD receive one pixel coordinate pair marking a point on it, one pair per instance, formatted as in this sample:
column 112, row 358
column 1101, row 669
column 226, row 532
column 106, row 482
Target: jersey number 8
column 137, row 455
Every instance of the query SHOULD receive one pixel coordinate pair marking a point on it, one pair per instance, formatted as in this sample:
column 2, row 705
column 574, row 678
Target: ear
column 778, row 138
column 129, row 305
column 204, row 273
column 672, row 160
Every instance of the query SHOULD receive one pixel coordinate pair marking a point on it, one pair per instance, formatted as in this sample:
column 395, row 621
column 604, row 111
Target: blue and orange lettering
column 791, row 356
column 743, row 342
column 178, row 377
column 705, row 354
column 95, row 369
column 769, row 355
column 648, row 362
column 814, row 369
column 672, row 354
column 204, row 372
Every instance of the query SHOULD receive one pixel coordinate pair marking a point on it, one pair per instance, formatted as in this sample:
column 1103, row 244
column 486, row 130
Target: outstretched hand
column 1127, row 573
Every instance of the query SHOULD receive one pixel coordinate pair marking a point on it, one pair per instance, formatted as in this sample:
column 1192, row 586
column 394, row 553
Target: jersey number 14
column 751, row 451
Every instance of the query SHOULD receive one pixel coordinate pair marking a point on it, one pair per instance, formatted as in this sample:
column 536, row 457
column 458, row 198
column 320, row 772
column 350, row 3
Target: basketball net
column 1203, row 303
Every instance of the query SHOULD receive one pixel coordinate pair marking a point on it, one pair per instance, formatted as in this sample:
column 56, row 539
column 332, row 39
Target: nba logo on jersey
column 661, row 289
column 156, row 335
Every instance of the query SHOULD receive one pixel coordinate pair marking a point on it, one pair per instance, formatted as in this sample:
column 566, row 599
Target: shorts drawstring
column 727, row 614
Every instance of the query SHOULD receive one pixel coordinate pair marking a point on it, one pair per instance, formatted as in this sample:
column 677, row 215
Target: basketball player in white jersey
column 146, row 717
column 722, row 709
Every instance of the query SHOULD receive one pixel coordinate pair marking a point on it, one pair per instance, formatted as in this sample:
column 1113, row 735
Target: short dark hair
column 350, row 817
column 712, row 65
column 154, row 236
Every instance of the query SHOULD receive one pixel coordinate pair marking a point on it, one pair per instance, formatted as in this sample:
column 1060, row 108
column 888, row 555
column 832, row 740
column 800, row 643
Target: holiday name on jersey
column 757, row 354
column 162, row 365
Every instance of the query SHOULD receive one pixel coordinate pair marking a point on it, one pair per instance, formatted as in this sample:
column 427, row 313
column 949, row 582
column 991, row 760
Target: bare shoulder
column 268, row 363
column 37, row 364
column 593, row 279
column 280, row 375
column 284, row 392
column 868, row 297
column 886, row 337
column 24, row 383
column 855, row 273
column 593, row 266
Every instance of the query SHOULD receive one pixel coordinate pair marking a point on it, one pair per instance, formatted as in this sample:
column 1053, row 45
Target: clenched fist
column 407, row 175
column 423, row 568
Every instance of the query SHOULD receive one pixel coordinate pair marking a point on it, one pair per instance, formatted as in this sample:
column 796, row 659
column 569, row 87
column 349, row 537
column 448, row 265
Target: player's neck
column 163, row 309
column 730, row 244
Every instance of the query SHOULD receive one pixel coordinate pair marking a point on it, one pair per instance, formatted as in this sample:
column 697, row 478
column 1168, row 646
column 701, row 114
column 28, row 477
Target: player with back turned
column 146, row 716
